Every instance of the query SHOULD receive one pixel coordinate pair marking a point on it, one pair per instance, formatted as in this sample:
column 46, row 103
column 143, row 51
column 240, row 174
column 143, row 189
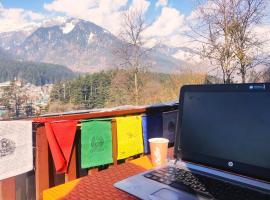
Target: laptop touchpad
column 172, row 195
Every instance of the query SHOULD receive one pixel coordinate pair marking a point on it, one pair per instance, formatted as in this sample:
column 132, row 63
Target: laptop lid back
column 226, row 127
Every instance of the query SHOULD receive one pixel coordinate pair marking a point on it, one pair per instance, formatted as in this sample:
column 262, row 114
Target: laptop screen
column 228, row 130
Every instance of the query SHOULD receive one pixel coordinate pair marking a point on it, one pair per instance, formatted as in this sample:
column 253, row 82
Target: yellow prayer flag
column 129, row 136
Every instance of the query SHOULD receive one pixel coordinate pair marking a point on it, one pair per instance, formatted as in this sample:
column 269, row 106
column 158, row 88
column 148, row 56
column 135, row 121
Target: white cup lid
column 159, row 140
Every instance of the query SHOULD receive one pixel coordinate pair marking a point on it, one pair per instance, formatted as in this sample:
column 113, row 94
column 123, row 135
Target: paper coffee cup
column 159, row 150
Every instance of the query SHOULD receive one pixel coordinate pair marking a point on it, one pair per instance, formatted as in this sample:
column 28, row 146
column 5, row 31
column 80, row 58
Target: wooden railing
column 44, row 172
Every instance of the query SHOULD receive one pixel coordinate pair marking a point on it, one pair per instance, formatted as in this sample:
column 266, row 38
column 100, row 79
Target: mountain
column 4, row 55
column 33, row 72
column 81, row 45
column 173, row 51
column 12, row 40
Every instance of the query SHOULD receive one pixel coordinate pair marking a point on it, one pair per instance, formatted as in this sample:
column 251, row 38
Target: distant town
column 20, row 100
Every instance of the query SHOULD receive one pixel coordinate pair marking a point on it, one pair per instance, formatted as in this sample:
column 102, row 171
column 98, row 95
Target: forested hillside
column 33, row 72
column 115, row 88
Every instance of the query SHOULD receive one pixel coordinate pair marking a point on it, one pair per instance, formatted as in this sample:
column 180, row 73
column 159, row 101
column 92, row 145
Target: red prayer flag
column 60, row 135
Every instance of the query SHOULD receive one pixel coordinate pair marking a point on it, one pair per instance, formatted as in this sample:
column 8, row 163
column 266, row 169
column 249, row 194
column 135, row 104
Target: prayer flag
column 129, row 136
column 96, row 143
column 16, row 150
column 152, row 127
column 60, row 135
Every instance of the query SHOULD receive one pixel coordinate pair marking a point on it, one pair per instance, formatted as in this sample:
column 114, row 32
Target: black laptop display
column 222, row 146
column 226, row 127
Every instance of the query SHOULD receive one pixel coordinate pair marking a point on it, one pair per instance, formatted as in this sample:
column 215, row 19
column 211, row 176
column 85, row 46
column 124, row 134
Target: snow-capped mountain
column 11, row 40
column 80, row 45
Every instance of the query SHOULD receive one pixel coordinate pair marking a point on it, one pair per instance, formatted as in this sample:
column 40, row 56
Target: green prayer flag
column 96, row 143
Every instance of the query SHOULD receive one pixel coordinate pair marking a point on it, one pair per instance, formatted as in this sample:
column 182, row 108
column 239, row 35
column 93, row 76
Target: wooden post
column 72, row 168
column 21, row 192
column 42, row 162
column 114, row 141
column 8, row 189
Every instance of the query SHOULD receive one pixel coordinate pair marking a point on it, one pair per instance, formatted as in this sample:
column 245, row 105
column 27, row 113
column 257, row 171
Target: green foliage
column 89, row 90
column 13, row 99
column 32, row 72
column 115, row 88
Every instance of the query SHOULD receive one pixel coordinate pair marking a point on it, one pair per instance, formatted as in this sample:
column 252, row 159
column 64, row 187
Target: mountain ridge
column 33, row 72
column 80, row 45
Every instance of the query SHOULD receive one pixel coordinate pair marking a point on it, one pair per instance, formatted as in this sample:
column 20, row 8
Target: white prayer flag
column 16, row 152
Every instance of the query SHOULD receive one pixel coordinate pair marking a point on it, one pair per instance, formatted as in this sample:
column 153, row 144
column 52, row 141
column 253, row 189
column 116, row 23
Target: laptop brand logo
column 230, row 164
column 257, row 87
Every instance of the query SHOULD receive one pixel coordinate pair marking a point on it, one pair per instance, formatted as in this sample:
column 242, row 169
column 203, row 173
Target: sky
column 167, row 20
column 106, row 13
column 185, row 6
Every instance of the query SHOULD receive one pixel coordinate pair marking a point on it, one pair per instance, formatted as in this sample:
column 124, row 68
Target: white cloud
column 188, row 57
column 70, row 6
column 34, row 16
column 162, row 3
column 263, row 33
column 168, row 28
column 169, row 22
column 105, row 13
column 142, row 5
column 16, row 18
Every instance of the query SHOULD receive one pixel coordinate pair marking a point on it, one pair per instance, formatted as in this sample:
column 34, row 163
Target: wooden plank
column 59, row 179
column 114, row 141
column 73, row 172
column 21, row 186
column 42, row 162
column 80, row 171
column 129, row 159
column 8, row 189
column 53, row 178
column 92, row 171
column 30, row 186
column 72, row 169
column 92, row 115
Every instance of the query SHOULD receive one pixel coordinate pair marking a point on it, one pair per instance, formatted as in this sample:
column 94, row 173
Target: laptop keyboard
column 204, row 185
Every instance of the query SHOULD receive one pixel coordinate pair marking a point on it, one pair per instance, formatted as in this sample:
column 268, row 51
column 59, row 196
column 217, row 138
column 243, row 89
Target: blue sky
column 165, row 16
column 34, row 5
column 185, row 6
column 168, row 20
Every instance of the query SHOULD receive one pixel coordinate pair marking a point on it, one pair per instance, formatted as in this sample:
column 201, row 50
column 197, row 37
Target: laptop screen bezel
column 213, row 162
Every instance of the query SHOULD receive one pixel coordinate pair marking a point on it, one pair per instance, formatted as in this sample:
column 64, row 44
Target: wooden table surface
column 100, row 185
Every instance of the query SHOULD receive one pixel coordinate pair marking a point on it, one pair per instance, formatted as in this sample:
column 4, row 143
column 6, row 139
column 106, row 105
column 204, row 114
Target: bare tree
column 247, row 47
column 228, row 39
column 121, row 86
column 131, row 51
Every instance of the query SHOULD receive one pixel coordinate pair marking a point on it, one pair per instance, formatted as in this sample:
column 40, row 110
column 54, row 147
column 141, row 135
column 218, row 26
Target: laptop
column 222, row 147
